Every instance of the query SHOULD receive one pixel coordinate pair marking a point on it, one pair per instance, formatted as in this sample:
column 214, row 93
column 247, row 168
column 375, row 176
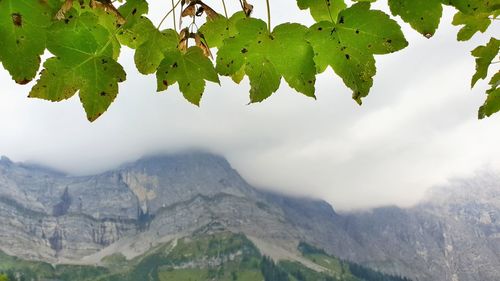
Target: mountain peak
column 484, row 187
column 182, row 158
column 5, row 160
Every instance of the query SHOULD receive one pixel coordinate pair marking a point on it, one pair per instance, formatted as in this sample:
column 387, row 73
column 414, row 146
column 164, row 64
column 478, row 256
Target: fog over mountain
column 417, row 128
column 453, row 234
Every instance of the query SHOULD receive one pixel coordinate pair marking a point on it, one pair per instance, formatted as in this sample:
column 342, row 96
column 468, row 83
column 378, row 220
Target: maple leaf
column 23, row 35
column 267, row 56
column 190, row 70
column 348, row 46
column 83, row 62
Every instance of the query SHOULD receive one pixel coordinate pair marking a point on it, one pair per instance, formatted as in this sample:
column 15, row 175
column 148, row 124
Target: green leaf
column 23, row 36
column 472, row 24
column 151, row 45
column 110, row 22
column 323, row 10
column 132, row 10
column 56, row 82
column 130, row 34
column 215, row 31
column 474, row 6
column 484, row 56
column 134, row 35
column 348, row 46
column 249, row 49
column 264, row 79
column 265, row 57
column 239, row 75
column 107, row 18
column 79, row 37
column 84, row 62
column 422, row 15
column 495, row 81
column 293, row 57
column 189, row 70
column 139, row 33
column 492, row 103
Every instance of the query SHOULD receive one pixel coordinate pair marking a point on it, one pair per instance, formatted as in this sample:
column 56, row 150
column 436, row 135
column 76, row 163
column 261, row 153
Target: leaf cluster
column 85, row 38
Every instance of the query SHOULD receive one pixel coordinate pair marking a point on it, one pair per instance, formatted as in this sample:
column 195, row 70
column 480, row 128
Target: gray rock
column 454, row 234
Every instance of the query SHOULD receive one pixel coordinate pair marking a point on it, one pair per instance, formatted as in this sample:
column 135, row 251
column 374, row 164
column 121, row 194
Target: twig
column 171, row 11
column 225, row 9
column 173, row 14
column 268, row 15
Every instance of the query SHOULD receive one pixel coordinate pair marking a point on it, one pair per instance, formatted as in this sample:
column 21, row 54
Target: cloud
column 417, row 128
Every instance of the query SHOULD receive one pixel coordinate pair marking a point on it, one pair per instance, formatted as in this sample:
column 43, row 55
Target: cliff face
column 50, row 216
column 452, row 235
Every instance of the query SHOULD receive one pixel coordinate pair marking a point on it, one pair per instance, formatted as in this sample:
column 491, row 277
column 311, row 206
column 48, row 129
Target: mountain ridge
column 62, row 218
column 210, row 253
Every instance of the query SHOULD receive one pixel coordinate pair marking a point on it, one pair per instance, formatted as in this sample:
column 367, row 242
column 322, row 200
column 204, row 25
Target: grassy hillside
column 18, row 269
column 343, row 270
column 221, row 256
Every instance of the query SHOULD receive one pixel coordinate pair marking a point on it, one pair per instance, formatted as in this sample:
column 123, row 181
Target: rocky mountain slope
column 45, row 215
column 454, row 233
column 210, row 253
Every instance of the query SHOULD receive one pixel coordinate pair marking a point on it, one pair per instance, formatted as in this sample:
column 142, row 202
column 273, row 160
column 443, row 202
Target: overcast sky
column 417, row 128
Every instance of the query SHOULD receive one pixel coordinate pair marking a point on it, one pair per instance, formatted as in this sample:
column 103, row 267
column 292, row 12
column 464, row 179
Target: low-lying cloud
column 417, row 128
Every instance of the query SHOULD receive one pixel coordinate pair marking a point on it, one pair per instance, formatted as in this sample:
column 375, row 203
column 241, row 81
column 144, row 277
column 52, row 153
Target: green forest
column 218, row 256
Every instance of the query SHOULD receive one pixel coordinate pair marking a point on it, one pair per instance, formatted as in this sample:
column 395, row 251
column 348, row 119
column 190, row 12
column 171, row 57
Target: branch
column 169, row 12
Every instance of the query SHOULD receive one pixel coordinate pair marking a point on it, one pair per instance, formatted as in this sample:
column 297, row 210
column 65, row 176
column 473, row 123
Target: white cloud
column 417, row 128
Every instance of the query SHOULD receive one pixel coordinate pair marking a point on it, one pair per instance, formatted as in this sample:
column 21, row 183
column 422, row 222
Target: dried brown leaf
column 202, row 44
column 183, row 39
column 211, row 13
column 189, row 11
column 66, row 6
column 247, row 8
column 107, row 6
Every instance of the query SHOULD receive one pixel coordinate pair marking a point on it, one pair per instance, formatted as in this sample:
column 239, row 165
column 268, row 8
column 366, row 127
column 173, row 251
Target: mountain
column 210, row 253
column 45, row 215
column 453, row 234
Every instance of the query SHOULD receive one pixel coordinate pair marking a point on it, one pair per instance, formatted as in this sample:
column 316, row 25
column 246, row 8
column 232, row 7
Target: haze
column 417, row 128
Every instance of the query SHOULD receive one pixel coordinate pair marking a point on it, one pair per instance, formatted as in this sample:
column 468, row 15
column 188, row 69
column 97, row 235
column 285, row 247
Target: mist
column 417, row 128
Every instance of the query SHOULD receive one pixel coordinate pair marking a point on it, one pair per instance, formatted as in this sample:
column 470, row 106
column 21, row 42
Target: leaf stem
column 173, row 15
column 171, row 10
column 225, row 8
column 268, row 5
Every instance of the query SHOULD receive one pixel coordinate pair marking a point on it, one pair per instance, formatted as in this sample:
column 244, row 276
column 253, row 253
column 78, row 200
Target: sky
column 417, row 129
